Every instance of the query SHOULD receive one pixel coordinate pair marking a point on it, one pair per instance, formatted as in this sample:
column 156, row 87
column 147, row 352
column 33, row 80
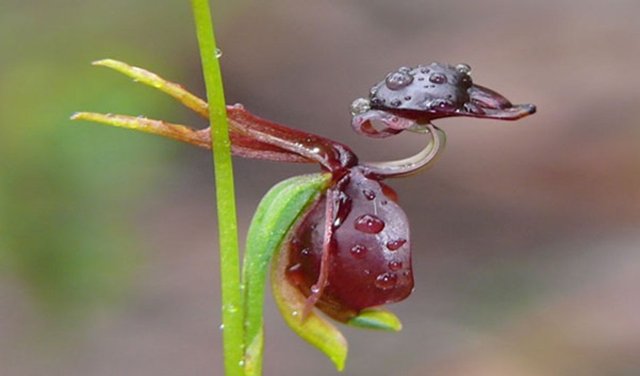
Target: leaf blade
column 274, row 217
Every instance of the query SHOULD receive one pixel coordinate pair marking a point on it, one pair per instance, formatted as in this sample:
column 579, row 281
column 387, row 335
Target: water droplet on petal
column 446, row 105
column 360, row 106
column 369, row 194
column 395, row 102
column 369, row 223
column 394, row 245
column 386, row 281
column 438, row 78
column 398, row 80
column 315, row 289
column 359, row 251
column 463, row 68
column 395, row 265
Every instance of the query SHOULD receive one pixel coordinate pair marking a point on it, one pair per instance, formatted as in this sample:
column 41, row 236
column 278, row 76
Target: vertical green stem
column 232, row 301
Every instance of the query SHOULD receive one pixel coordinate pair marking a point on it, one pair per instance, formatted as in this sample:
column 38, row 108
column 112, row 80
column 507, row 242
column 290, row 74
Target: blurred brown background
column 526, row 241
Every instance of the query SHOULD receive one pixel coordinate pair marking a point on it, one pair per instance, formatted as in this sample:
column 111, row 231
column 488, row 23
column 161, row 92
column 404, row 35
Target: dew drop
column 360, row 106
column 394, row 245
column 218, row 53
column 367, row 271
column 369, row 194
column 241, row 363
column 395, row 265
column 407, row 98
column 369, row 223
column 438, row 78
column 386, row 281
column 395, row 103
column 221, row 327
column 305, row 252
column 315, row 289
column 358, row 251
column 446, row 105
column 463, row 68
column 398, row 80
column 294, row 313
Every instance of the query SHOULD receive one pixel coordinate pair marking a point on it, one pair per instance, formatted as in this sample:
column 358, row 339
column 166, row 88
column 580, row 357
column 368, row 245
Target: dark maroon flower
column 410, row 96
column 351, row 250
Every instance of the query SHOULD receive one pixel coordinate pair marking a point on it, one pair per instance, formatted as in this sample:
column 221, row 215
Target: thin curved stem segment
column 414, row 164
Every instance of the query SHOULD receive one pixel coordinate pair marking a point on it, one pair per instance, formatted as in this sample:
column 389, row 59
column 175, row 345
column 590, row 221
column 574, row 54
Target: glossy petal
column 370, row 260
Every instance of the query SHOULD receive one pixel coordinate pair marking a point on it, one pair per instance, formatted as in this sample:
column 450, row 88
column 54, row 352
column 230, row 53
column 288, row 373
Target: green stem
column 232, row 301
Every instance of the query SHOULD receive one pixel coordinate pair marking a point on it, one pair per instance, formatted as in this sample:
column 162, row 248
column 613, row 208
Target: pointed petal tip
column 109, row 63
column 377, row 319
column 100, row 62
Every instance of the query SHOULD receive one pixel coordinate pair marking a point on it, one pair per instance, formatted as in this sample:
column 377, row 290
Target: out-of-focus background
column 526, row 242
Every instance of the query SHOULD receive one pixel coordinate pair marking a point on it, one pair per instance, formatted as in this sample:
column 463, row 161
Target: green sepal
column 277, row 212
column 376, row 318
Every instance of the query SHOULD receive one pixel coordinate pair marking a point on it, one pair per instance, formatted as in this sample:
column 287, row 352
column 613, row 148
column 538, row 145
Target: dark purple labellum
column 440, row 90
column 363, row 271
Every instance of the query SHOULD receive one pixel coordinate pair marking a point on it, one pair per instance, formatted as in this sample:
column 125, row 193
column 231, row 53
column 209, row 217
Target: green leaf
column 276, row 214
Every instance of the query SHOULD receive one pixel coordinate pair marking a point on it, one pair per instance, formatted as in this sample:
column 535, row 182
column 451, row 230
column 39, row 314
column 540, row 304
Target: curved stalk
column 414, row 164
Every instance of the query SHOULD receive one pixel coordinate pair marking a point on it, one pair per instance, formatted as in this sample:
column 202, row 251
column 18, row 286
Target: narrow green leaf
column 277, row 212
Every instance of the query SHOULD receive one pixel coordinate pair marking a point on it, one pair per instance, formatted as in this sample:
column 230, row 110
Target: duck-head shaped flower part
column 338, row 241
